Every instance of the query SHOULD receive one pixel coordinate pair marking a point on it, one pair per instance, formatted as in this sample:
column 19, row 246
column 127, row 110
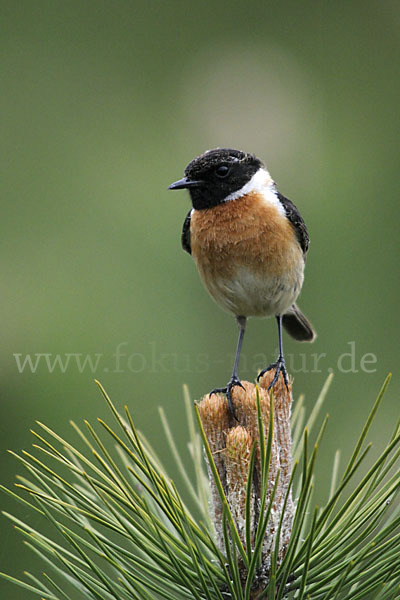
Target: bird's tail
column 298, row 326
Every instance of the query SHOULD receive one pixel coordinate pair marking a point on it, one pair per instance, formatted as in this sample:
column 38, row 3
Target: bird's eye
column 222, row 171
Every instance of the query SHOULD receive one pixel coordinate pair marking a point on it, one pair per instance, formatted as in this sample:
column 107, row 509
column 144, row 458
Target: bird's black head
column 216, row 174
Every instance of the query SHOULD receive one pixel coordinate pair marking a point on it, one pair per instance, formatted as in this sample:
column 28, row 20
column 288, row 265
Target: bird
column 249, row 243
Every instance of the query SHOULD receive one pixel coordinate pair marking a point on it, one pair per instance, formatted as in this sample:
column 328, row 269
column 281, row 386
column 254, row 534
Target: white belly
column 248, row 294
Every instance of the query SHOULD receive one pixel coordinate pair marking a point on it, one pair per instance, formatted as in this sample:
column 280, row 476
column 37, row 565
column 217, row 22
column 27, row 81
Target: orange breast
column 247, row 232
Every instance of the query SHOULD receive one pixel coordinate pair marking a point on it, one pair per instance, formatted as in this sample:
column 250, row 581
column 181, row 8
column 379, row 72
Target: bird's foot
column 279, row 367
column 234, row 381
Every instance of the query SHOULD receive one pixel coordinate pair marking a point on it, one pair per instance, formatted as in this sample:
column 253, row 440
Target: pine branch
column 122, row 531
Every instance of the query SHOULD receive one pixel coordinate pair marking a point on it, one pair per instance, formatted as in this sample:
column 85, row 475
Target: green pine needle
column 122, row 531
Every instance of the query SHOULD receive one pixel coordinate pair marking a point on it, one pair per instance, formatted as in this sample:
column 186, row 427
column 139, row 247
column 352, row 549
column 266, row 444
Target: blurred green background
column 102, row 106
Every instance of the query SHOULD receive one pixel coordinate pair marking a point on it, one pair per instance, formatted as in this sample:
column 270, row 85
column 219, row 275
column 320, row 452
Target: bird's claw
column 235, row 381
column 279, row 367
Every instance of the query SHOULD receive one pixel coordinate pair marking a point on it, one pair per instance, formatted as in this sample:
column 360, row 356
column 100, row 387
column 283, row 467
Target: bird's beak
column 184, row 183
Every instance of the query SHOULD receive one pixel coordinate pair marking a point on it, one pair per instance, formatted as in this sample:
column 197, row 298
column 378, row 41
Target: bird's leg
column 234, row 380
column 279, row 365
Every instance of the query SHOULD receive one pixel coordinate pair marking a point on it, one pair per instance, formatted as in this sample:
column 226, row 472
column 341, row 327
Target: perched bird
column 249, row 244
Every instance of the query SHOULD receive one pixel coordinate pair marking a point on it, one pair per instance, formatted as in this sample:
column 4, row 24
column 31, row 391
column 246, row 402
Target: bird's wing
column 186, row 234
column 297, row 222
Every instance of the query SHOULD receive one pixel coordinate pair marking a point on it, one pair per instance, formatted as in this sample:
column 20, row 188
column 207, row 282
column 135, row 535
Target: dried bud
column 231, row 443
column 237, row 460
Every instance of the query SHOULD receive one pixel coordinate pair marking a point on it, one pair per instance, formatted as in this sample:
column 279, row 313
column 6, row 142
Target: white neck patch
column 261, row 183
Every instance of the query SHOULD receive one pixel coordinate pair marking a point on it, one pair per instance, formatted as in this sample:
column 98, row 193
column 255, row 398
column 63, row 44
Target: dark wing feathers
column 297, row 222
column 186, row 234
